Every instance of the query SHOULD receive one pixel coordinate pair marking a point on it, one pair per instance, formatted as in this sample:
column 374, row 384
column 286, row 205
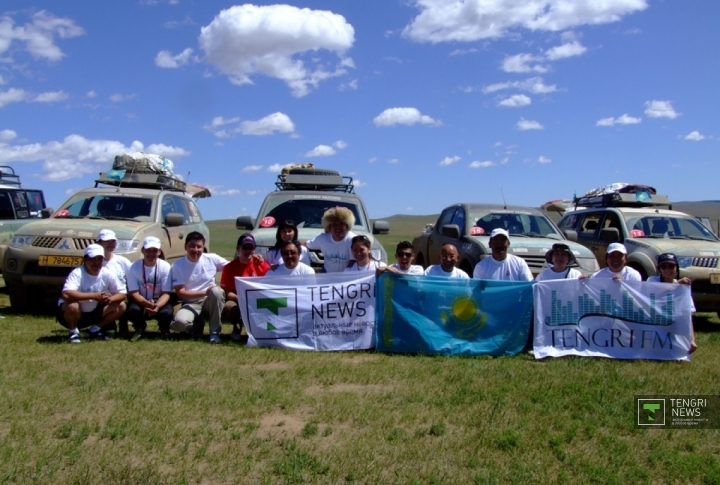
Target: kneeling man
column 91, row 298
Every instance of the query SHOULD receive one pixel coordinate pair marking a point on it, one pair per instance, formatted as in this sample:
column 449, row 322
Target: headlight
column 588, row 264
column 22, row 241
column 127, row 245
column 685, row 261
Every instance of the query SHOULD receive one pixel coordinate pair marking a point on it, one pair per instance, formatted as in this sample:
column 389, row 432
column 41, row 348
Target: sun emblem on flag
column 464, row 318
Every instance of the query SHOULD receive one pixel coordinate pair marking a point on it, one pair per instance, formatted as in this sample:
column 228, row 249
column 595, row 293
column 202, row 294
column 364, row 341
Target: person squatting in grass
column 617, row 269
column 364, row 261
column 91, row 298
column 149, row 286
column 119, row 265
column 286, row 231
column 405, row 256
column 335, row 242
column 246, row 263
column 193, row 278
column 561, row 258
column 448, row 259
column 502, row 266
column 291, row 264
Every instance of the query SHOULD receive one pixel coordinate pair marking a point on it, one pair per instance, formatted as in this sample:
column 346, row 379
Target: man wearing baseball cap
column 501, row 265
column 119, row 265
column 149, row 286
column 245, row 264
column 616, row 260
column 91, row 297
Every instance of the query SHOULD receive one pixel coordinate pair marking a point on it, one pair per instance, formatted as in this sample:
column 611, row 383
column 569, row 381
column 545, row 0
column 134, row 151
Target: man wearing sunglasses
column 291, row 266
column 246, row 263
column 405, row 256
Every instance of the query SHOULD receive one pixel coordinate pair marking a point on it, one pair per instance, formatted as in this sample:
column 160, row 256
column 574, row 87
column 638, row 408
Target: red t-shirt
column 237, row 269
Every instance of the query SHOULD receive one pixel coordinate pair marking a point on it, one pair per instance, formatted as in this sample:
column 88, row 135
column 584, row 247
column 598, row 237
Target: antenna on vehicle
column 188, row 178
column 503, row 196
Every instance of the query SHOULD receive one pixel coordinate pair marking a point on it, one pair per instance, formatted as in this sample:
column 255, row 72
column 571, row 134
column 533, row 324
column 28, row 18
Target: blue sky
column 423, row 102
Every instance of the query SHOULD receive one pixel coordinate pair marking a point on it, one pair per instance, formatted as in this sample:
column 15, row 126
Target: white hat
column 151, row 242
column 616, row 247
column 94, row 250
column 106, row 235
column 499, row 231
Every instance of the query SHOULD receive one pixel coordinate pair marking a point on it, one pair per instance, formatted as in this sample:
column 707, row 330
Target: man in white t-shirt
column 448, row 259
column 149, row 286
column 290, row 252
column 501, row 265
column 119, row 265
column 91, row 297
column 335, row 242
column 405, row 256
column 193, row 278
column 561, row 258
column 616, row 260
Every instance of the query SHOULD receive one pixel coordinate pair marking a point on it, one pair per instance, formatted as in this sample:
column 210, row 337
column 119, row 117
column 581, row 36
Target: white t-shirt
column 512, row 268
column 198, row 276
column 154, row 283
column 371, row 266
column 413, row 269
column 274, row 257
column 628, row 274
column 80, row 280
column 119, row 265
column 436, row 270
column 336, row 253
column 283, row 270
column 548, row 274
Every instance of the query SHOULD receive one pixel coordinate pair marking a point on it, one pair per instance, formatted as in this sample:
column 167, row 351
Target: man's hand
column 104, row 297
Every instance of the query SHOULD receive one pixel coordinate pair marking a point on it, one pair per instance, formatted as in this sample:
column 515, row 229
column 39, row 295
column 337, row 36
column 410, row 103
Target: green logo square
column 651, row 412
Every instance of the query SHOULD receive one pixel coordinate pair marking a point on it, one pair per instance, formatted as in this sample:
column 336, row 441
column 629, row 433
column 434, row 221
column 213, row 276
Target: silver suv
column 649, row 228
column 302, row 196
column 42, row 253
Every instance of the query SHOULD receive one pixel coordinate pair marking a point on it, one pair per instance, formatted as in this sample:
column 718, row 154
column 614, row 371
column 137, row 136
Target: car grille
column 704, row 286
column 46, row 242
column 82, row 243
column 705, row 262
column 534, row 261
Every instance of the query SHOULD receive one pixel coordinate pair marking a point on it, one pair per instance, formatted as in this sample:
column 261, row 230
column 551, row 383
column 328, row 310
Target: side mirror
column 451, row 230
column 610, row 234
column 381, row 227
column 244, row 222
column 46, row 212
column 173, row 219
column 571, row 235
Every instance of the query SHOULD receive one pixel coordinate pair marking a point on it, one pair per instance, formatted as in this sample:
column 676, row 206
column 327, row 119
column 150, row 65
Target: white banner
column 612, row 318
column 330, row 311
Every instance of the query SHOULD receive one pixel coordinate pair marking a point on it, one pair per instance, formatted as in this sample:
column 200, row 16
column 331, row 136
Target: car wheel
column 420, row 260
column 639, row 269
column 19, row 298
column 465, row 266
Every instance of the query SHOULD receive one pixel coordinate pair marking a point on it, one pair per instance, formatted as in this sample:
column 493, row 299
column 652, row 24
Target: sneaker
column 74, row 338
column 99, row 335
column 214, row 338
column 164, row 334
column 236, row 334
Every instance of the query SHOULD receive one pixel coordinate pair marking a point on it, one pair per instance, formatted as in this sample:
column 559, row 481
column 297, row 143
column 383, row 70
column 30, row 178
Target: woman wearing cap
column 286, row 231
column 364, row 261
column 335, row 242
column 669, row 272
column 561, row 258
column 617, row 269
column 290, row 264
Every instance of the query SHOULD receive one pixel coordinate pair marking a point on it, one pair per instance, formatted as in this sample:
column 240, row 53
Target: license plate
column 63, row 261
column 715, row 278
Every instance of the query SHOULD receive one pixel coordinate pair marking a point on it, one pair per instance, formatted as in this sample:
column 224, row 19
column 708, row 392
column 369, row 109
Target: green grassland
column 183, row 411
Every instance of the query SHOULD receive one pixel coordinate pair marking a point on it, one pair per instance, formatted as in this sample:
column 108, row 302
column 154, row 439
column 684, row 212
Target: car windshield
column 304, row 212
column 663, row 226
column 516, row 223
column 103, row 206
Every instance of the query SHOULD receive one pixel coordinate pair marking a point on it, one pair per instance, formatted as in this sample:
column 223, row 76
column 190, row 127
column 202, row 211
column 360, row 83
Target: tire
column 313, row 171
column 420, row 260
column 640, row 270
column 19, row 298
column 465, row 266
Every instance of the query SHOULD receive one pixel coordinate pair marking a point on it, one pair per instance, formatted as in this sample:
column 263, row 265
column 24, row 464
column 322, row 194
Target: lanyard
column 145, row 285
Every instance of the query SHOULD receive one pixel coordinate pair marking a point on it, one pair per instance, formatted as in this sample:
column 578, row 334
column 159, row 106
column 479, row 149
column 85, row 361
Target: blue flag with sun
column 449, row 316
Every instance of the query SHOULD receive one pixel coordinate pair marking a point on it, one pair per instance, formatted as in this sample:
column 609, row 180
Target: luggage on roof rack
column 141, row 180
column 8, row 176
column 303, row 181
column 619, row 199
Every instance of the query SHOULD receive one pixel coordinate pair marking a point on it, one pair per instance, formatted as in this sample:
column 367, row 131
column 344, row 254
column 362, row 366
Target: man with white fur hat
column 149, row 285
column 501, row 265
column 91, row 297
column 335, row 242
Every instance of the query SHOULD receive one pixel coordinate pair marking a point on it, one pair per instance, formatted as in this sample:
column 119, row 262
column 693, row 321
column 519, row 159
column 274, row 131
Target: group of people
column 94, row 294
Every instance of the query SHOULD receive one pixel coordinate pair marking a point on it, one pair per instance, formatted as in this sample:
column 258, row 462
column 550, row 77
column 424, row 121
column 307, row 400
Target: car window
column 612, row 220
column 664, row 226
column 459, row 219
column 516, row 223
column 193, row 210
column 107, row 206
column 36, row 202
column 181, row 208
column 304, row 212
column 445, row 218
column 168, row 206
column 589, row 225
column 569, row 222
column 6, row 208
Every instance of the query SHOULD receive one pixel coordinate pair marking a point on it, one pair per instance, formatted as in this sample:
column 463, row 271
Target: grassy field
column 183, row 411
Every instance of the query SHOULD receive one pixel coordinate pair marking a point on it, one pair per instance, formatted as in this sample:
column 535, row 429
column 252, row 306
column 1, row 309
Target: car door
column 588, row 230
column 610, row 220
column 436, row 240
column 174, row 243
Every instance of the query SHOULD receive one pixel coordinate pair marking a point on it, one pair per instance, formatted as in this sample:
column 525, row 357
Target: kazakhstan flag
column 449, row 316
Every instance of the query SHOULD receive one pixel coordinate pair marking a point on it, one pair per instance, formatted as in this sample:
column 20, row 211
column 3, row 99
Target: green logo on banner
column 270, row 326
column 272, row 304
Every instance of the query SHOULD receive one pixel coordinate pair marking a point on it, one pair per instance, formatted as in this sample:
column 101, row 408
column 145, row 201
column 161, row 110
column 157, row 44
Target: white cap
column 616, row 247
column 151, row 242
column 106, row 235
column 94, row 250
column 499, row 232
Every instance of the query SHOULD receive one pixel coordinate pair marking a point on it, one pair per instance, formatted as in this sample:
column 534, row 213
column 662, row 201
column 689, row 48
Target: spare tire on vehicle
column 312, row 171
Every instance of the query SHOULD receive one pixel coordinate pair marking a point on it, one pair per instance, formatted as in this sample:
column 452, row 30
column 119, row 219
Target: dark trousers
column 137, row 316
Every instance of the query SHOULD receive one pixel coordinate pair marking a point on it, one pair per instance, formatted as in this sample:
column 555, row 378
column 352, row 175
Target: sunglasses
column 247, row 248
column 289, row 253
column 404, row 255
column 667, row 266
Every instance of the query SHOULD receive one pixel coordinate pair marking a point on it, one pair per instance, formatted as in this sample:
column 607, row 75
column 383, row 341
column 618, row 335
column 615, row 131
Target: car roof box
column 334, row 183
column 618, row 199
column 122, row 178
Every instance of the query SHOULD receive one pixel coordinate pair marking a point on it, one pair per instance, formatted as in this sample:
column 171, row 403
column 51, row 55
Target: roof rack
column 623, row 200
column 8, row 177
column 141, row 180
column 330, row 183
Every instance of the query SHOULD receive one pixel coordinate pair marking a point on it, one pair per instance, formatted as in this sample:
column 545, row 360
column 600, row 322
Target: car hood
column 524, row 246
column 679, row 247
column 82, row 228
column 266, row 237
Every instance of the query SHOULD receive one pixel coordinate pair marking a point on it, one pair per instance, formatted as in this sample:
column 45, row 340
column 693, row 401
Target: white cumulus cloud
column 321, row 151
column 246, row 40
column 524, row 125
column 12, row 95
column 515, row 101
column 543, row 160
column 276, row 122
column 693, row 136
column 479, row 164
column 471, row 20
column 660, row 109
column 252, row 168
column 569, row 49
column 533, row 85
column 403, row 116
column 277, row 167
column 7, row 135
column 340, row 144
column 167, row 60
column 625, row 119
column 38, row 36
column 359, row 183
column 119, row 98
column 524, row 63
column 449, row 161
column 50, row 97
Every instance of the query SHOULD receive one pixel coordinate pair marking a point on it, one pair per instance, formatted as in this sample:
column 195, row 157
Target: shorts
column 87, row 319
